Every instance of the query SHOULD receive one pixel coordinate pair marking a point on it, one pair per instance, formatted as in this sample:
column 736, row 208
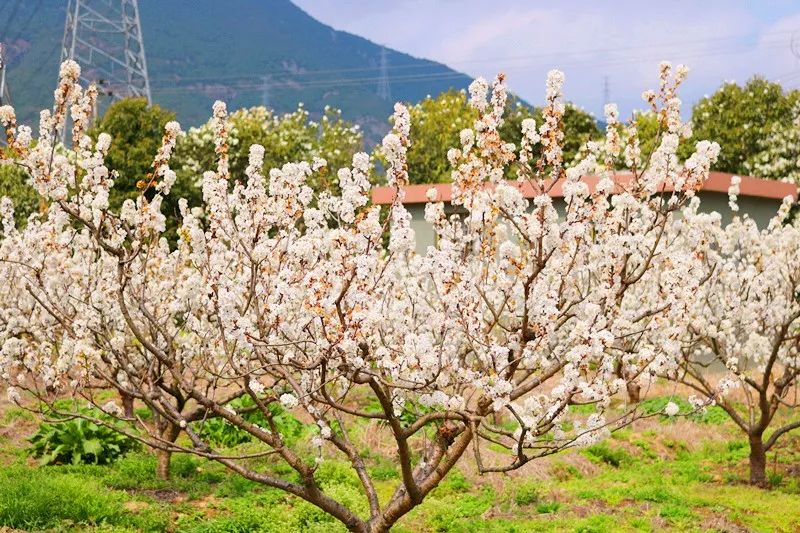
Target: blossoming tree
column 284, row 295
column 743, row 347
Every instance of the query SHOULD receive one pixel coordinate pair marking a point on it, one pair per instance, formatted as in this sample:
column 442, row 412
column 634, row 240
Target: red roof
column 717, row 182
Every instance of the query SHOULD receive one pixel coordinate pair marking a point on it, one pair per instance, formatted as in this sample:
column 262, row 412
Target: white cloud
column 625, row 40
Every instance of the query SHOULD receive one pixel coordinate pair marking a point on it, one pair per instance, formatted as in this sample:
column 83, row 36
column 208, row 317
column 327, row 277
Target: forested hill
column 245, row 52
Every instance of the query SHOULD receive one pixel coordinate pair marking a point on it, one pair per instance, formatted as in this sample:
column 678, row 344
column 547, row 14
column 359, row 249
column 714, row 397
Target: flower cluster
column 744, row 322
column 523, row 308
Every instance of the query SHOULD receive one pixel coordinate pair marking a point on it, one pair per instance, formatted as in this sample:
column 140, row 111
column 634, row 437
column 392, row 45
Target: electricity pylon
column 105, row 38
column 5, row 95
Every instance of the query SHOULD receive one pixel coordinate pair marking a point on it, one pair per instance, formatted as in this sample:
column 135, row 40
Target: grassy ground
column 660, row 475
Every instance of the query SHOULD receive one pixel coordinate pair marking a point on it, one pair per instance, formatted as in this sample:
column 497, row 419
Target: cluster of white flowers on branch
column 779, row 155
column 286, row 296
column 745, row 325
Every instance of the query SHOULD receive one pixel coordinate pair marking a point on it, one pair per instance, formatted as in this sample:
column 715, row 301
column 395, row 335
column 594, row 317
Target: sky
column 603, row 47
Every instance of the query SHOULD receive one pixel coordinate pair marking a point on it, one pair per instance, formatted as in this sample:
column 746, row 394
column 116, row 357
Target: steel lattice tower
column 5, row 96
column 383, row 83
column 105, row 38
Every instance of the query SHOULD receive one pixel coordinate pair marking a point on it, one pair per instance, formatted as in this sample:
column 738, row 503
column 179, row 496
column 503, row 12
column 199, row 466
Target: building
column 758, row 198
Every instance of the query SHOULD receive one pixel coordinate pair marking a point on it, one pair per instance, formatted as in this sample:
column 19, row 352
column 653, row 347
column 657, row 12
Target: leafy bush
column 603, row 453
column 384, row 472
column 14, row 184
column 563, row 471
column 77, row 440
column 547, row 507
column 219, row 432
column 526, row 494
column 710, row 415
column 774, row 479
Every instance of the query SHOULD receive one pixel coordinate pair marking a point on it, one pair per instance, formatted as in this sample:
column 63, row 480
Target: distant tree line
column 756, row 124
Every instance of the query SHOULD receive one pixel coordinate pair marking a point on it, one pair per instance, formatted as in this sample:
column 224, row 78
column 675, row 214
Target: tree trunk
column 127, row 404
column 634, row 392
column 162, row 468
column 758, row 461
column 164, row 457
column 634, row 389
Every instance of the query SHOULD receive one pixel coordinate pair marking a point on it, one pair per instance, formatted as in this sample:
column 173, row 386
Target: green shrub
column 713, row 414
column 384, row 472
column 547, row 507
column 774, row 479
column 526, row 494
column 603, row 453
column 77, row 440
column 563, row 471
column 220, row 432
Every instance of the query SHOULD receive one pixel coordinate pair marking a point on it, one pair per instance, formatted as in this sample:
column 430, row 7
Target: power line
column 668, row 48
column 340, row 82
column 294, row 85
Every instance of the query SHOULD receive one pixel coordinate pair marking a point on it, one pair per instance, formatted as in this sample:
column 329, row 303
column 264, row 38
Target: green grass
column 604, row 453
column 33, row 499
column 635, row 481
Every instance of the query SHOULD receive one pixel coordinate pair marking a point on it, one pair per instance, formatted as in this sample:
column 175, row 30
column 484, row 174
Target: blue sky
column 589, row 40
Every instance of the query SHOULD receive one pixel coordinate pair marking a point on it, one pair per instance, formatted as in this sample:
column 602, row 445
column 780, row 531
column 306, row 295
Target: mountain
column 244, row 52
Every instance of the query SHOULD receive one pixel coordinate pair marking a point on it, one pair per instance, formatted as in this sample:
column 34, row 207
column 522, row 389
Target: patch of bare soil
column 208, row 505
column 134, row 505
column 162, row 495
column 721, row 523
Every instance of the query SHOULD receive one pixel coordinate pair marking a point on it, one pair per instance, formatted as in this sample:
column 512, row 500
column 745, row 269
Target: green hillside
column 202, row 50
